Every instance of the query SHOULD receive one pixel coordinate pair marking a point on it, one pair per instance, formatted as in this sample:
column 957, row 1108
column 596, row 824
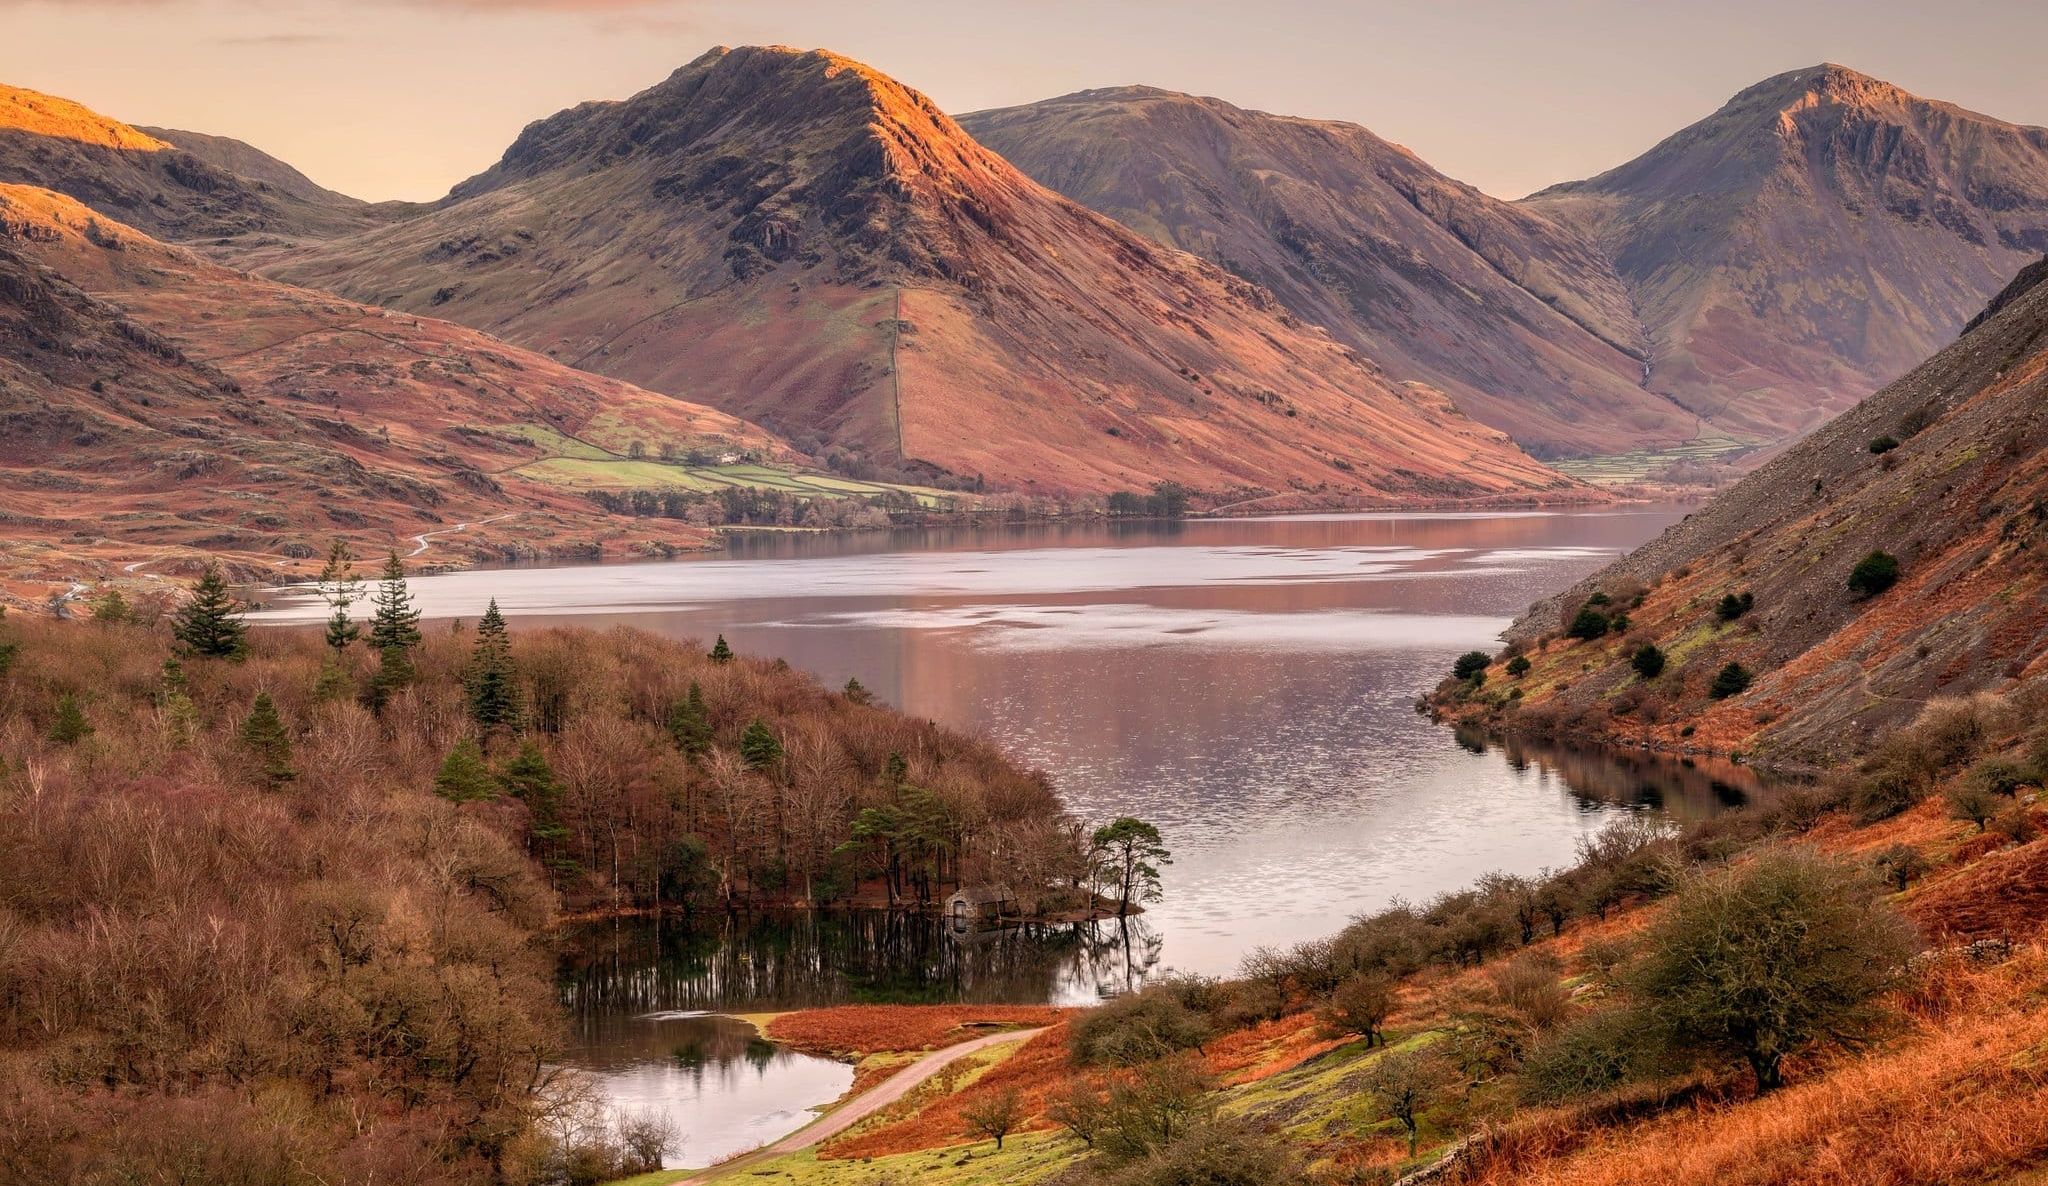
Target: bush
column 1974, row 804
column 1136, row 1028
column 1595, row 1053
column 1469, row 664
column 1770, row 958
column 1884, row 444
column 1733, row 606
column 1361, row 1006
column 1648, row 661
column 1899, row 864
column 1732, row 680
column 1215, row 1152
column 1518, row 666
column 1588, row 624
column 2002, row 776
column 1874, row 574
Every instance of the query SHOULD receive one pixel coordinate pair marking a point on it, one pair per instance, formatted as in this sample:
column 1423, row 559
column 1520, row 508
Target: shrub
column 1595, row 1053
column 1532, row 990
column 1588, row 624
column 1733, row 606
column 1874, row 574
column 1149, row 1108
column 1884, row 444
column 1899, row 864
column 1974, row 804
column 1469, row 664
column 1518, row 666
column 1215, row 1151
column 1136, row 1028
column 1361, row 1006
column 2002, row 776
column 1770, row 958
column 1648, row 661
column 1404, row 1083
column 1732, row 680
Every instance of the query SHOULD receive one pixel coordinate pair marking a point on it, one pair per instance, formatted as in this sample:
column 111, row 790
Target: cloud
column 279, row 39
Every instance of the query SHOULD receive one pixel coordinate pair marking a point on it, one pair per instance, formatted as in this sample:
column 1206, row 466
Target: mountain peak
column 38, row 114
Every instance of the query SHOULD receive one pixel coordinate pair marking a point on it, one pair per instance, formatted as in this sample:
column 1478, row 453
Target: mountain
column 153, row 403
column 797, row 239
column 150, row 180
column 1522, row 321
column 1812, row 240
column 1946, row 470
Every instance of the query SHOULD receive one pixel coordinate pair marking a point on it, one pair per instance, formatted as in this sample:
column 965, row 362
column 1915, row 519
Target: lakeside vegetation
column 276, row 905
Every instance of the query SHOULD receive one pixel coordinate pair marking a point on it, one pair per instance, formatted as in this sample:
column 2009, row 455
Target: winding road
column 425, row 539
column 862, row 1106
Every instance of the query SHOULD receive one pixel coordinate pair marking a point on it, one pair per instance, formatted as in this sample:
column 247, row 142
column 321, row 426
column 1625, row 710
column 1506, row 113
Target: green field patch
column 1617, row 469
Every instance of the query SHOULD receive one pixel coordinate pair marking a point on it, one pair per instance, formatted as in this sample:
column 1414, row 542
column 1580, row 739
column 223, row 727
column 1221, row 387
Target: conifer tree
column 209, row 624
column 395, row 624
column 492, row 680
column 858, row 692
column 721, row 653
column 341, row 590
column 532, row 781
column 464, row 777
column 180, row 715
column 688, row 724
column 70, row 727
column 264, row 735
column 759, row 746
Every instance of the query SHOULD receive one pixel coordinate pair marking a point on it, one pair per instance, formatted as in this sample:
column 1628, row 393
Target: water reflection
column 774, row 961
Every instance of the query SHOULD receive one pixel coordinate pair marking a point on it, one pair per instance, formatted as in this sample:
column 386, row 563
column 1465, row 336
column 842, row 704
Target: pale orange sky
column 402, row 98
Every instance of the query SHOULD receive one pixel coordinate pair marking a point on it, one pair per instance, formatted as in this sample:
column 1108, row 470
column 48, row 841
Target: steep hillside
column 147, row 180
column 1521, row 320
column 155, row 403
column 799, row 240
column 1812, row 240
column 1946, row 470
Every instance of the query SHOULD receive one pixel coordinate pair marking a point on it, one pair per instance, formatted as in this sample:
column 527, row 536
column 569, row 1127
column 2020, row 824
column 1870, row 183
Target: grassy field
column 1619, row 469
column 582, row 465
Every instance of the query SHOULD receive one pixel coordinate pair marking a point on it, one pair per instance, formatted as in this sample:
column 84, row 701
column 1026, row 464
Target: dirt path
column 880, row 1096
column 425, row 539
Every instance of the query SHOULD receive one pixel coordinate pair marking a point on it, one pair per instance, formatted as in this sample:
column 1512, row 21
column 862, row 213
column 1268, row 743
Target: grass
column 1025, row 1158
column 1620, row 469
column 583, row 466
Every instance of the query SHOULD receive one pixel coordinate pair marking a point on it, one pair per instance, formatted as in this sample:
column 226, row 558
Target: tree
column 1404, row 1083
column 1133, row 852
column 996, row 1115
column 209, row 624
column 264, row 735
column 1974, row 803
column 1151, row 1105
column 858, row 692
column 689, row 725
column 1899, row 864
column 1874, row 574
column 721, row 653
column 1361, row 1006
column 340, row 589
column 1648, row 660
column 1078, row 1109
column 1781, row 953
column 492, row 680
column 758, row 745
column 70, row 727
column 1469, row 664
column 1732, row 680
column 464, row 776
column 1733, row 606
column 1588, row 624
column 110, row 606
column 394, row 622
column 1518, row 666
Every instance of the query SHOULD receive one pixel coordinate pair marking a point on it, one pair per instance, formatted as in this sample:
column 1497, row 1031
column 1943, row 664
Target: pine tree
column 492, row 680
column 759, row 746
column 209, row 625
column 341, row 589
column 858, row 692
column 264, row 735
column 70, row 727
column 334, row 683
column 532, row 781
column 721, row 653
column 395, row 624
column 464, row 776
column 688, row 724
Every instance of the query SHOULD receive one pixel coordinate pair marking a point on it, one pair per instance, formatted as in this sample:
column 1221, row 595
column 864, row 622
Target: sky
column 403, row 98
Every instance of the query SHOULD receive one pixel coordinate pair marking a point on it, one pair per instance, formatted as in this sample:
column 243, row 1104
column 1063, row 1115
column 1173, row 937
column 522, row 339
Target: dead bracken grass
column 848, row 1030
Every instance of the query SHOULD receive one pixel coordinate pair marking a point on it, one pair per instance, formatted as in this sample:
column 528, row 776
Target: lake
column 1248, row 685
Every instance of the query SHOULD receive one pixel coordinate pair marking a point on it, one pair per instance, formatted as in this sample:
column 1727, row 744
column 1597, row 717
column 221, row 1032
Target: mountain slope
column 1961, row 502
column 146, row 180
column 799, row 240
column 1812, row 240
column 151, row 401
column 1521, row 321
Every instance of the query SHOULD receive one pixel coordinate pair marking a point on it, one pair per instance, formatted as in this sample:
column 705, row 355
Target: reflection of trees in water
column 786, row 960
column 1685, row 789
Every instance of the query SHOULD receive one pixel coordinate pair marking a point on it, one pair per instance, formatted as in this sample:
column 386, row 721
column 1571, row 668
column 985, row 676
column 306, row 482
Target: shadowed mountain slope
column 1812, row 240
column 1520, row 320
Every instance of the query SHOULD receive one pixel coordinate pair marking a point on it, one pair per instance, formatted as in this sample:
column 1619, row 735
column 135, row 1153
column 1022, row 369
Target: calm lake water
column 1247, row 685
